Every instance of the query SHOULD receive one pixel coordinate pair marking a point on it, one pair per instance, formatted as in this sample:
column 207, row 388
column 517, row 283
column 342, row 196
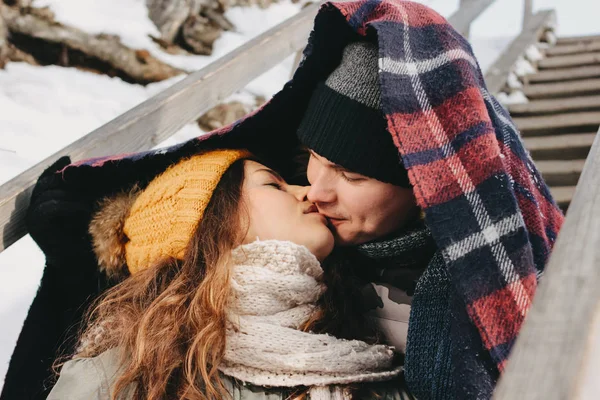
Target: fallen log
column 169, row 15
column 199, row 34
column 3, row 43
column 138, row 65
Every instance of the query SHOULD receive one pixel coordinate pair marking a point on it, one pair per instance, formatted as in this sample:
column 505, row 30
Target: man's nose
column 320, row 192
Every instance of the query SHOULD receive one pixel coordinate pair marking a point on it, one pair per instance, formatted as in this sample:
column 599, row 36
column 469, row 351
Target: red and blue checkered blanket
column 488, row 208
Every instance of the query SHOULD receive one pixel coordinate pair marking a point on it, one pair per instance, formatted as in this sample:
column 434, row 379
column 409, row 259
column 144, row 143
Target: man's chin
column 343, row 240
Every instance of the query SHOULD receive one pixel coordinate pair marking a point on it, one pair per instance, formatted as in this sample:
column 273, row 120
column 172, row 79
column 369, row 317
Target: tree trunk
column 138, row 65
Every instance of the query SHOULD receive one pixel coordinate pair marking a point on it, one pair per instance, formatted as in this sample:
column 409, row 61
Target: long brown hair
column 169, row 321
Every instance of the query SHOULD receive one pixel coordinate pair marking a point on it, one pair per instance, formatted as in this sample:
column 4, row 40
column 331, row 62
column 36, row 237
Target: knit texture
column 344, row 122
column 163, row 218
column 274, row 289
column 429, row 358
column 401, row 259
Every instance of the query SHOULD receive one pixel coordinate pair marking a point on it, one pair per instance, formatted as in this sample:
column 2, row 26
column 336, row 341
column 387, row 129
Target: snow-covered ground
column 42, row 109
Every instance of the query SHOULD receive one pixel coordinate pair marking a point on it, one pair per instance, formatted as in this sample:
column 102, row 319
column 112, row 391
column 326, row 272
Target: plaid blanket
column 488, row 209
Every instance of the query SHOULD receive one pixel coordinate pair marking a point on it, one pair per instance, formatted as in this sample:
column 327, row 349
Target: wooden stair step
column 560, row 147
column 570, row 122
column 560, row 172
column 576, row 48
column 564, row 74
column 563, row 195
column 569, row 61
column 585, row 103
column 567, row 40
column 562, row 89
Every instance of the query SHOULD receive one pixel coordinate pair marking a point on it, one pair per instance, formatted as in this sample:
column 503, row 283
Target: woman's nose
column 299, row 192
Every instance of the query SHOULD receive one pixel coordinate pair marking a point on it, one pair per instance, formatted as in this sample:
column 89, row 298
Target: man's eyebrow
column 270, row 171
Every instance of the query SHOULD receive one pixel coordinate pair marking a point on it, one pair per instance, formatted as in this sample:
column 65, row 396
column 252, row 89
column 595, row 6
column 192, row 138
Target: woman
column 224, row 258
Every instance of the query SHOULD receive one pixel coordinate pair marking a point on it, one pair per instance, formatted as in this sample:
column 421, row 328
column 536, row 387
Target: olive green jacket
column 92, row 379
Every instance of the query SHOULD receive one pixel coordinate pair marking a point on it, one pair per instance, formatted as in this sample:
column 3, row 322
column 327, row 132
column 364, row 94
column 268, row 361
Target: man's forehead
column 328, row 163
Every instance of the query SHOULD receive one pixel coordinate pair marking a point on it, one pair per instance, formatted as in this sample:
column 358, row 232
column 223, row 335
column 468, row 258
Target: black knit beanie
column 344, row 122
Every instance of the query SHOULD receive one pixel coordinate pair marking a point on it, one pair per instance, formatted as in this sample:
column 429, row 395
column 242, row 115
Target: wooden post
column 469, row 10
column 466, row 32
column 527, row 12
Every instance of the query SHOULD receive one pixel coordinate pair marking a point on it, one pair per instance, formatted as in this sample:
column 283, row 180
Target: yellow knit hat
column 164, row 217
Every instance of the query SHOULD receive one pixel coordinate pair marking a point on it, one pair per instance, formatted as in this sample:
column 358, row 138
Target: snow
column 523, row 67
column 533, row 54
column 42, row 109
column 551, row 38
column 515, row 97
column 513, row 81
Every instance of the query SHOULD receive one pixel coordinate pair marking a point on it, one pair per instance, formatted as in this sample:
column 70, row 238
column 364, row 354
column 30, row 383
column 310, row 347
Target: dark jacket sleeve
column 57, row 220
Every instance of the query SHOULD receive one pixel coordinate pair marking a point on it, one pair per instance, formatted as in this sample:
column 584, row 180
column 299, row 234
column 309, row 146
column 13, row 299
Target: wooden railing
column 156, row 119
column 497, row 74
column 557, row 354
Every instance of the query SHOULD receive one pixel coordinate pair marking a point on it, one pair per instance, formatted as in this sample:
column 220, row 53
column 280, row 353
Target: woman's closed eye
column 275, row 185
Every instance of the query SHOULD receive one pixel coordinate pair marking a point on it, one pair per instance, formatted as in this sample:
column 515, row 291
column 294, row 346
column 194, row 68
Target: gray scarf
column 410, row 261
column 401, row 259
column 444, row 357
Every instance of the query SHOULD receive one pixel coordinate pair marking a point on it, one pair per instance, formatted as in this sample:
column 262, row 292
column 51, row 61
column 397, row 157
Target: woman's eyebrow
column 270, row 171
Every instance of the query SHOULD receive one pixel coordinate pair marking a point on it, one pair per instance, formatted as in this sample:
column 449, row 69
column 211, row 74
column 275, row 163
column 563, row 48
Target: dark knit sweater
column 441, row 361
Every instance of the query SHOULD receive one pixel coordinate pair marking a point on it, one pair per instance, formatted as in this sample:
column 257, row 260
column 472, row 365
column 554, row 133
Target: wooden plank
column 576, row 60
column 562, row 89
column 527, row 12
column 561, row 172
column 156, row 119
column 577, row 48
column 567, row 40
column 585, row 103
column 543, row 124
column 563, row 195
column 469, row 10
column 560, row 147
column 497, row 74
column 558, row 341
column 564, row 74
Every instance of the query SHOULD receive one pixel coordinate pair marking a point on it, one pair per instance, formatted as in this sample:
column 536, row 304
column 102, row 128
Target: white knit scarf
column 275, row 287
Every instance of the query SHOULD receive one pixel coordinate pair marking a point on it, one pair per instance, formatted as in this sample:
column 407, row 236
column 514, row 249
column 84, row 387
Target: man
column 360, row 182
